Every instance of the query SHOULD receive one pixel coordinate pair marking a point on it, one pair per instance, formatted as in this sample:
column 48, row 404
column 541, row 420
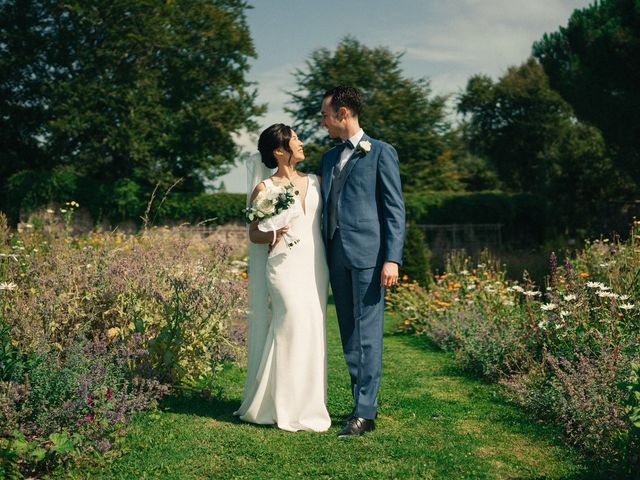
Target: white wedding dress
column 287, row 364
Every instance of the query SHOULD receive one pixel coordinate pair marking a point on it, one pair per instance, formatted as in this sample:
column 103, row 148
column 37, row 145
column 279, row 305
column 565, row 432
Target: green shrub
column 30, row 189
column 194, row 208
column 523, row 217
column 416, row 256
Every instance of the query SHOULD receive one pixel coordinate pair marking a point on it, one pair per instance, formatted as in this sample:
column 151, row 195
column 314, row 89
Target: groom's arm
column 393, row 211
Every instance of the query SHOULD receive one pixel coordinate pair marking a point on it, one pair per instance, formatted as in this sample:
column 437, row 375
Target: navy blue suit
column 371, row 223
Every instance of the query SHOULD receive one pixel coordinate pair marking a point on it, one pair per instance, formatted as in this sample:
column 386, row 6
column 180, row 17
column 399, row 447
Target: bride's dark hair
column 276, row 136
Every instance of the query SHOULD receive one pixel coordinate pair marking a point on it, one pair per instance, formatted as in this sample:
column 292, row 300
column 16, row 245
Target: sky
column 445, row 42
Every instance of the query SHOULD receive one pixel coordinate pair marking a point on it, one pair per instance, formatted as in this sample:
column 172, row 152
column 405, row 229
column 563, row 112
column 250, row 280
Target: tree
column 594, row 64
column 126, row 89
column 398, row 110
column 531, row 136
column 513, row 122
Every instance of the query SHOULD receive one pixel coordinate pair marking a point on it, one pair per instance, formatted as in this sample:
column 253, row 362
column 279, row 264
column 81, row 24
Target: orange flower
column 405, row 278
column 407, row 322
column 584, row 275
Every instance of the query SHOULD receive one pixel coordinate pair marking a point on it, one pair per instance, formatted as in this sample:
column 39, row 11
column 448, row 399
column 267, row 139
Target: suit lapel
column 355, row 156
column 327, row 179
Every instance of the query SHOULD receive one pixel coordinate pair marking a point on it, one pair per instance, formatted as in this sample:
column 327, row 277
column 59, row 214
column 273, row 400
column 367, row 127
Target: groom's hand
column 389, row 275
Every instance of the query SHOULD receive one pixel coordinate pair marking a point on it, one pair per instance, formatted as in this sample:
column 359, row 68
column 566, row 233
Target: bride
column 287, row 368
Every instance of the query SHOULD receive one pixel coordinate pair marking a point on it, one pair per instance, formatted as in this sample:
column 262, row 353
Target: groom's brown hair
column 345, row 96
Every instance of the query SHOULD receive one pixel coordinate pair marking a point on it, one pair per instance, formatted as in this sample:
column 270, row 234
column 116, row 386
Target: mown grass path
column 434, row 422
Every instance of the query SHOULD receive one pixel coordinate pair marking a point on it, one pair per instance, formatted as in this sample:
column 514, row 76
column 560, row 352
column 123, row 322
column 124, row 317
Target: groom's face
column 330, row 119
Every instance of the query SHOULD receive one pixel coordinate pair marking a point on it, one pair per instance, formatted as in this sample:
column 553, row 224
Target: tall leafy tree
column 594, row 62
column 513, row 122
column 531, row 136
column 397, row 109
column 125, row 92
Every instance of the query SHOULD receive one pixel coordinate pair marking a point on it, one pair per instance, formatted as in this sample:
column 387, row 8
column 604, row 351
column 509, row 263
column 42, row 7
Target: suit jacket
column 370, row 209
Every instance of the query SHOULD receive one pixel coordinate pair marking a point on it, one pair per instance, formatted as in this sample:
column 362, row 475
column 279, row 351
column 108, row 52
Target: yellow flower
column 112, row 332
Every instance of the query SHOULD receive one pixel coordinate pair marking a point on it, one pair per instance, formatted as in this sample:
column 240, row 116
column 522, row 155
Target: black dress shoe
column 356, row 427
column 351, row 416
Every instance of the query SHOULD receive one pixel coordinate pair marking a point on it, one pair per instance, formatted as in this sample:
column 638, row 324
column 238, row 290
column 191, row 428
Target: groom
column 363, row 229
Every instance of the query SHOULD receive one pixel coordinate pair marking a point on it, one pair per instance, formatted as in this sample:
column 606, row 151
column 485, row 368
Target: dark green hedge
column 194, row 208
column 123, row 200
column 524, row 217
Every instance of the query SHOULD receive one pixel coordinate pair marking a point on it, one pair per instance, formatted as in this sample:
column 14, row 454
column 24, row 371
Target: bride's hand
column 279, row 234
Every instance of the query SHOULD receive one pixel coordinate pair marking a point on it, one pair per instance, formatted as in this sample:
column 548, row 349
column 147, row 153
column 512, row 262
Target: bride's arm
column 257, row 236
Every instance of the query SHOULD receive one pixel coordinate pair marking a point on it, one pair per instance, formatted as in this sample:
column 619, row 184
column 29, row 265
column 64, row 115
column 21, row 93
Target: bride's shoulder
column 259, row 188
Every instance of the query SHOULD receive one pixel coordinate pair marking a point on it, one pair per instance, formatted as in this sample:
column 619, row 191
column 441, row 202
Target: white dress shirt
column 347, row 152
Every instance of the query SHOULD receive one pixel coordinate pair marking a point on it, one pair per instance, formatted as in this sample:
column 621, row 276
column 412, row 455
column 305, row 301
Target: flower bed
column 569, row 352
column 97, row 327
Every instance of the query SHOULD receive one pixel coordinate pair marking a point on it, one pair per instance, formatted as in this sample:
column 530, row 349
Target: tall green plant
column 416, row 256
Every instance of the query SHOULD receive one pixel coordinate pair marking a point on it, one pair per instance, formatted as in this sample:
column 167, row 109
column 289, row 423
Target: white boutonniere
column 364, row 146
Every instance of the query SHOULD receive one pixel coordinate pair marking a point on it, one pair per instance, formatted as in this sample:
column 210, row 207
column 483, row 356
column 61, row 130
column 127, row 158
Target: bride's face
column 297, row 152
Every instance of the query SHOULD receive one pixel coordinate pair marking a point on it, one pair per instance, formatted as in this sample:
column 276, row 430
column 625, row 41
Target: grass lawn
column 433, row 422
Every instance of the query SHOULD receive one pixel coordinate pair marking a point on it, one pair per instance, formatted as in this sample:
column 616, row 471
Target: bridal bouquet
column 273, row 209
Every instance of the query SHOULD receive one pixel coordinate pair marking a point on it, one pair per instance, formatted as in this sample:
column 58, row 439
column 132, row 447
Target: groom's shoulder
column 382, row 145
column 379, row 143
